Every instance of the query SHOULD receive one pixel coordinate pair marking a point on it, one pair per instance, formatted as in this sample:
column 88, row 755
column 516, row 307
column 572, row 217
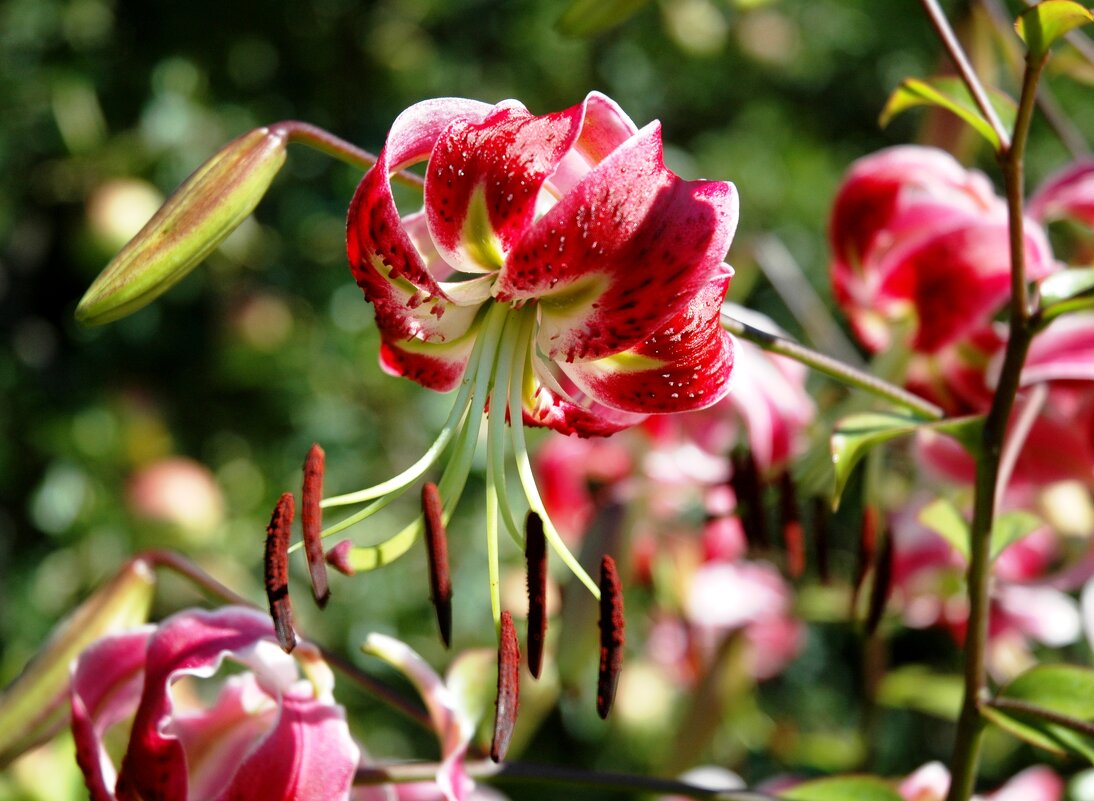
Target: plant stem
column 964, row 69
column 313, row 136
column 1033, row 710
column 833, row 367
column 518, row 772
column 970, row 723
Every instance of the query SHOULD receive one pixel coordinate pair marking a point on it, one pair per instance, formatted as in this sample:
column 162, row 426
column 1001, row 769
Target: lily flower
column 557, row 275
column 931, row 782
column 268, row 734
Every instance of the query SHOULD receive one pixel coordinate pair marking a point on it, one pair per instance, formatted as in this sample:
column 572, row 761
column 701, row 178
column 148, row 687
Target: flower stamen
column 311, row 518
column 277, row 571
column 436, row 541
column 535, row 555
column 611, row 635
column 508, row 700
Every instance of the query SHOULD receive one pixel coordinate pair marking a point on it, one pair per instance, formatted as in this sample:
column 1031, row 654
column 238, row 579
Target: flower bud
column 200, row 215
column 35, row 705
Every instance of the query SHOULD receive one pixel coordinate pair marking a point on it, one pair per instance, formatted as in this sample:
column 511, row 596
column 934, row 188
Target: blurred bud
column 35, row 706
column 200, row 215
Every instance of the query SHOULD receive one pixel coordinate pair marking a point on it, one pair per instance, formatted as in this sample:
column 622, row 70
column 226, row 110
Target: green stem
column 1033, row 710
column 313, row 136
column 970, row 723
column 522, row 773
column 979, row 95
column 833, row 367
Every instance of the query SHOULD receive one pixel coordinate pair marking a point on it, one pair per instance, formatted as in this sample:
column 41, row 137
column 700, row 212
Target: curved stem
column 313, row 136
column 833, row 367
column 979, row 95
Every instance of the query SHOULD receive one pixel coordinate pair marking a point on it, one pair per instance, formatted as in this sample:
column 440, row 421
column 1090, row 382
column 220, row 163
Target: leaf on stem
column 1050, row 706
column 1044, row 24
column 856, row 434
column 587, row 18
column 842, row 788
column 952, row 95
column 1067, row 291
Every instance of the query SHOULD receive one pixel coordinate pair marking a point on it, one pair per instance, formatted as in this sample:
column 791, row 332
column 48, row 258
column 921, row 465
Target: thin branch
column 957, row 53
column 833, row 367
column 313, row 136
column 1026, row 708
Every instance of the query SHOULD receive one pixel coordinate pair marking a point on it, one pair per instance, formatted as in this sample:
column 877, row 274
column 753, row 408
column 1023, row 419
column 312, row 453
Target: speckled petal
column 386, row 263
column 621, row 254
column 437, row 366
column 685, row 365
column 555, row 402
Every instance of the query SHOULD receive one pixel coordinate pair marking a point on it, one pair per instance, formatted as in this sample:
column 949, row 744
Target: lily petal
column 554, row 401
column 621, row 254
column 686, row 365
column 393, row 273
column 1068, row 193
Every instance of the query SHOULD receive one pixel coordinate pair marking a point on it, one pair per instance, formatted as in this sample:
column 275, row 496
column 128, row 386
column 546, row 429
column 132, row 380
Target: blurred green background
column 106, row 106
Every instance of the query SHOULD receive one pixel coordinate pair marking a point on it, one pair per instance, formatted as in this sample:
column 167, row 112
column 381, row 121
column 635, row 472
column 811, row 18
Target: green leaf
column 1042, row 25
column 1011, row 527
column 1067, row 291
column 35, row 706
column 587, row 18
column 856, row 434
column 201, row 213
column 946, row 520
column 1066, row 693
column 842, row 788
column 916, row 687
column 952, row 95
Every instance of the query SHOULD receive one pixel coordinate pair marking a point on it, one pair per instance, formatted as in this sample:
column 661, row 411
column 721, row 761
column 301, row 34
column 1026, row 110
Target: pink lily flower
column 1069, row 194
column 268, row 735
column 916, row 236
column 932, row 781
column 558, row 268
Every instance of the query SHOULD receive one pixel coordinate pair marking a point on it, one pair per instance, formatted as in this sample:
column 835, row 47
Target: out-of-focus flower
column 451, row 720
column 268, row 735
column 915, row 236
column 1025, row 607
column 177, row 491
column 1069, row 194
column 932, row 781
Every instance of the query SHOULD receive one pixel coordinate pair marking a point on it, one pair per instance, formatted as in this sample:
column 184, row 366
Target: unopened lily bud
column 35, row 706
column 200, row 215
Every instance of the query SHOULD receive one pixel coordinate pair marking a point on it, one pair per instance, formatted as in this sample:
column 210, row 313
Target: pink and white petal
column 309, row 755
column 604, row 128
column 107, row 680
column 928, row 783
column 685, row 365
column 620, row 254
column 1043, row 613
column 1063, row 352
column 395, row 277
column 435, row 365
column 188, row 643
column 1038, row 783
column 1069, row 193
column 484, row 179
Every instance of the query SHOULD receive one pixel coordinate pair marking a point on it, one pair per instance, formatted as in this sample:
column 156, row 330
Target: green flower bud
column 200, row 215
column 34, row 707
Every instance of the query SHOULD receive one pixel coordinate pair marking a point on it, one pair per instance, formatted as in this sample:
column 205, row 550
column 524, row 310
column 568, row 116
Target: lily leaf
column 916, row 687
column 1011, row 527
column 856, row 434
column 842, row 788
column 1067, row 291
column 1050, row 706
column 952, row 95
column 946, row 520
column 1042, row 25
column 587, row 18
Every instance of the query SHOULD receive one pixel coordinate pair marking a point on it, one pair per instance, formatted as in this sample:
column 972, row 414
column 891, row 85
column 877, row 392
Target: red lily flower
column 556, row 267
column 268, row 735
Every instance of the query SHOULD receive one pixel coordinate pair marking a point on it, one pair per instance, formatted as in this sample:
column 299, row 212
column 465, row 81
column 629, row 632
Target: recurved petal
column 685, row 365
column 435, row 365
column 605, row 127
column 1069, row 193
column 620, row 254
column 554, row 401
column 106, row 686
column 385, row 260
column 484, row 179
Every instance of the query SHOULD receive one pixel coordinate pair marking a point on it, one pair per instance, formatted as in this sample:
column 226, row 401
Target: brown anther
column 867, row 546
column 311, row 518
column 508, row 701
column 748, row 487
column 611, row 635
column 793, row 534
column 338, row 558
column 883, row 583
column 436, row 543
column 535, row 555
column 277, row 571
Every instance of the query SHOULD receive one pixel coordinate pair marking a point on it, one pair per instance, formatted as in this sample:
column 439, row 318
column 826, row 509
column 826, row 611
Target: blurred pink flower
column 1069, row 194
column 268, row 735
column 932, row 781
column 178, row 491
